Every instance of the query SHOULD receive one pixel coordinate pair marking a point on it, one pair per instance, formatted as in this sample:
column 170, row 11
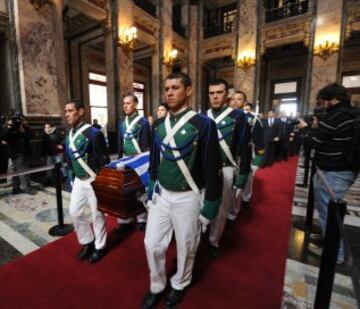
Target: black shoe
column 17, row 191
column 150, row 300
column 86, row 251
column 174, row 297
column 97, row 255
column 124, row 228
column 213, row 251
column 230, row 223
column 141, row 226
column 245, row 204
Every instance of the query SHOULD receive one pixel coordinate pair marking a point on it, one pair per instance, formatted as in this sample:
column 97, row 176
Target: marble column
column 247, row 39
column 156, row 96
column 194, row 49
column 328, row 28
column 110, row 42
column 125, row 57
column 41, row 59
column 165, row 37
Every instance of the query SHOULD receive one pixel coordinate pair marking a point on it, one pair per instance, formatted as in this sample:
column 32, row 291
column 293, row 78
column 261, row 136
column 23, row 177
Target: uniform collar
column 133, row 115
column 217, row 112
column 179, row 114
column 74, row 129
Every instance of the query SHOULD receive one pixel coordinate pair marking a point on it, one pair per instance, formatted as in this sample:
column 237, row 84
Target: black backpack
column 353, row 153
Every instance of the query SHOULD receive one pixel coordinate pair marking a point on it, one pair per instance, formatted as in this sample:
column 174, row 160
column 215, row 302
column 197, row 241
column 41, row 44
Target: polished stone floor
column 302, row 267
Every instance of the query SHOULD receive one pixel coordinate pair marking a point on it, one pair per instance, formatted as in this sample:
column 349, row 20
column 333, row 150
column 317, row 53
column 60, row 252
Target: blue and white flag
column 138, row 163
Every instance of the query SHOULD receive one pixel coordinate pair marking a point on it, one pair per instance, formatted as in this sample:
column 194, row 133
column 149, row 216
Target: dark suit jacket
column 271, row 132
column 286, row 128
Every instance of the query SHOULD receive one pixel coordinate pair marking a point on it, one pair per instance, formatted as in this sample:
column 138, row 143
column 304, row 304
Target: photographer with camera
column 331, row 135
column 17, row 135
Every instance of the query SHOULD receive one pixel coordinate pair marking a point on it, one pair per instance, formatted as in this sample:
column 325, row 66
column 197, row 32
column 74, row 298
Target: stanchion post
column 310, row 203
column 60, row 229
column 307, row 225
column 329, row 254
column 307, row 162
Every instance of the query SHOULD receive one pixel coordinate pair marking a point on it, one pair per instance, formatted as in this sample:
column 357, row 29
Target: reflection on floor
column 302, row 267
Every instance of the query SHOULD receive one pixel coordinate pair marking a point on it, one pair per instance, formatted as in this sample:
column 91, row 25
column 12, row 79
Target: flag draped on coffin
column 138, row 163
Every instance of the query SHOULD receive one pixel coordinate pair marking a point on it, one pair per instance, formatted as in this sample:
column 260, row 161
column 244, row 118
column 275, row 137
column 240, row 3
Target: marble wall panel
column 36, row 36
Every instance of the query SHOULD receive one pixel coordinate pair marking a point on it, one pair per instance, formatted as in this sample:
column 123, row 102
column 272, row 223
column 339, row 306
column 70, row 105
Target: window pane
column 99, row 113
column 98, row 95
column 140, row 96
column 285, row 87
column 97, row 77
column 351, row 81
column 289, row 109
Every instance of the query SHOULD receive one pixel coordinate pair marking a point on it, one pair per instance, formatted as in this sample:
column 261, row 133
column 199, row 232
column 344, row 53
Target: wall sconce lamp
column 38, row 4
column 171, row 58
column 245, row 63
column 324, row 51
column 129, row 36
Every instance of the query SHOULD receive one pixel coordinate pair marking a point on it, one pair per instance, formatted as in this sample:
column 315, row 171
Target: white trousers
column 178, row 212
column 245, row 195
column 139, row 218
column 82, row 194
column 228, row 196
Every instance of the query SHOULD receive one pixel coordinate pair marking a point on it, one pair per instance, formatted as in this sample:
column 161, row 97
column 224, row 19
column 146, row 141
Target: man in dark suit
column 271, row 127
column 286, row 133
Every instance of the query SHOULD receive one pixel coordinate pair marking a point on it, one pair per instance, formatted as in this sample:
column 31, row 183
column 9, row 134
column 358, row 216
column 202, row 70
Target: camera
column 16, row 119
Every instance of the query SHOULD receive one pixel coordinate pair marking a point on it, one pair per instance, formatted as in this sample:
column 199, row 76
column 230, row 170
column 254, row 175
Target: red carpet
column 249, row 273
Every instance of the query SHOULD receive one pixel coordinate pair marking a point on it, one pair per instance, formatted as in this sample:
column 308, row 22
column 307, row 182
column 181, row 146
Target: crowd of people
column 201, row 169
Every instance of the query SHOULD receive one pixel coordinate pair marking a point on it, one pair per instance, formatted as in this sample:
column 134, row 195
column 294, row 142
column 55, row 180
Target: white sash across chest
column 222, row 141
column 169, row 139
column 72, row 138
column 129, row 131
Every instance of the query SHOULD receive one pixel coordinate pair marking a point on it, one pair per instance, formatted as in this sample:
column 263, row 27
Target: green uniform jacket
column 198, row 145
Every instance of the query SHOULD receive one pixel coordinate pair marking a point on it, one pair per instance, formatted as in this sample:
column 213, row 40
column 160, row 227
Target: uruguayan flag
column 138, row 163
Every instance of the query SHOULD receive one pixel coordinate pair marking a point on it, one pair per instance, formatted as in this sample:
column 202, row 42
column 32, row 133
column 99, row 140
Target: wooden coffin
column 117, row 192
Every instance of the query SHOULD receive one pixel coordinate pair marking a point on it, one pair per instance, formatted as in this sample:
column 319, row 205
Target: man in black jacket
column 286, row 133
column 331, row 137
column 17, row 136
column 271, row 127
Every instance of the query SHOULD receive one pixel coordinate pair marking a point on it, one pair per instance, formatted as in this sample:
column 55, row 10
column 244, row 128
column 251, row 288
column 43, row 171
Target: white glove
column 204, row 222
column 237, row 193
column 147, row 205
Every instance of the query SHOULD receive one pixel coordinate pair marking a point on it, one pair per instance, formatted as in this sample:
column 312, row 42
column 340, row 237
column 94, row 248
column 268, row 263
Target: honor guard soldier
column 234, row 138
column 134, row 138
column 184, row 163
column 86, row 154
column 257, row 145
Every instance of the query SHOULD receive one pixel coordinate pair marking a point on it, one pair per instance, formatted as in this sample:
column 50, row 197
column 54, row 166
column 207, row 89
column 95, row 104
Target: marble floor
column 302, row 267
column 26, row 219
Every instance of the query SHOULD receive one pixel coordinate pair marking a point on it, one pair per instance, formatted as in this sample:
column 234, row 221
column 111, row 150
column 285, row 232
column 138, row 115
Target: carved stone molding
column 218, row 47
column 286, row 33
